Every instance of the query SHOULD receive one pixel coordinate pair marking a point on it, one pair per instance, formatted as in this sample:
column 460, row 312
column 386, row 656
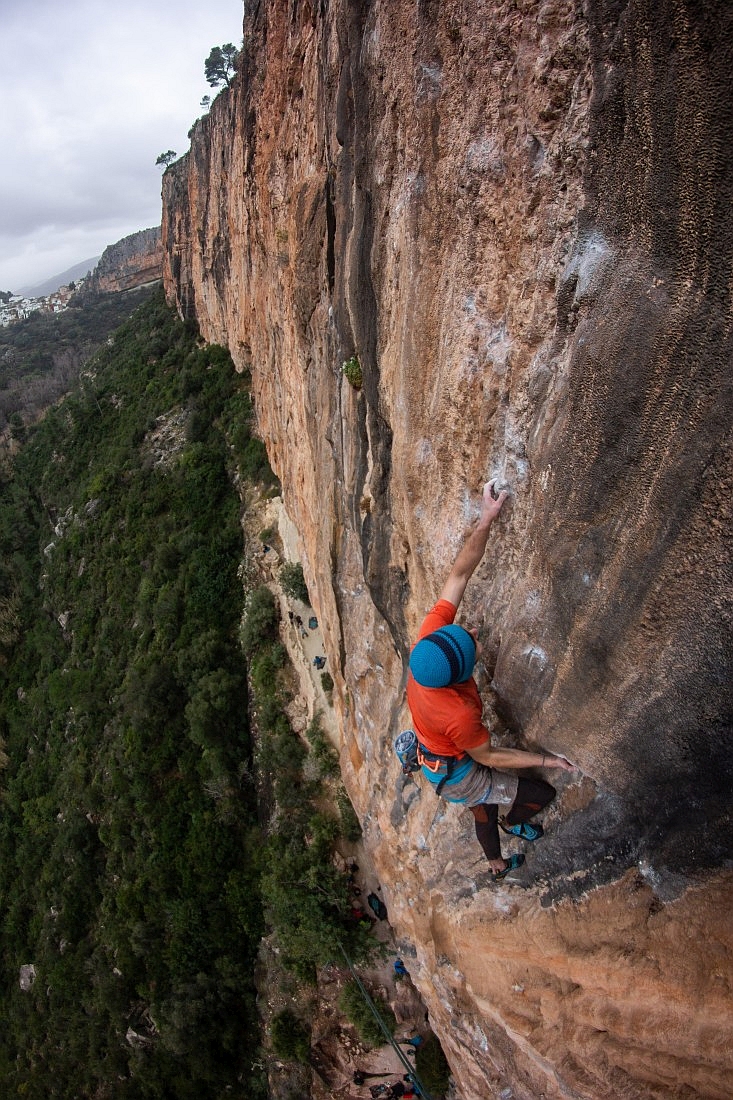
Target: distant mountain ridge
column 78, row 271
column 136, row 260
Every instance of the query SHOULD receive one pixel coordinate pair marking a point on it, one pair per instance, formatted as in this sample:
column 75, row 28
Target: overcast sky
column 91, row 91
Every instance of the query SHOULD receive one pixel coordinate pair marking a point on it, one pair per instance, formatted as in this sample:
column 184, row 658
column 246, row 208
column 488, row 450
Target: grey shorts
column 480, row 785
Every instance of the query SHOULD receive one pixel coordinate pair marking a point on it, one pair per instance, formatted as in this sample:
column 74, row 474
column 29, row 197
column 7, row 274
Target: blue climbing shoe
column 513, row 863
column 525, row 831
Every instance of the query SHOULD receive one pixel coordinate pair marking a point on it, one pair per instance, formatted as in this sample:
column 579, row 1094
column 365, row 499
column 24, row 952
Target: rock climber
column 455, row 750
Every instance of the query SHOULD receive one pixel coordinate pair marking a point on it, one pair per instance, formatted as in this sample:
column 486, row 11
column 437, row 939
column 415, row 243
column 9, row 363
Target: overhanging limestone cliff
column 518, row 217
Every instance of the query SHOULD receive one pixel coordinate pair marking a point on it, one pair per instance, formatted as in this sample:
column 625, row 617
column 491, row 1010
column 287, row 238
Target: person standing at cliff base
column 455, row 750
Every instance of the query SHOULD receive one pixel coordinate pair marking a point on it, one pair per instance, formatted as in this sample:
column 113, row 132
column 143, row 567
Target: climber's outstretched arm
column 517, row 758
column 473, row 548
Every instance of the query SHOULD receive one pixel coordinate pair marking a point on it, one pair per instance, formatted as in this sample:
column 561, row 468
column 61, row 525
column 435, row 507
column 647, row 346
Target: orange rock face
column 518, row 218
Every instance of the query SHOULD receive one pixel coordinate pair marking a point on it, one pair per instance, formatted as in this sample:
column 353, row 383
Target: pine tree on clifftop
column 220, row 65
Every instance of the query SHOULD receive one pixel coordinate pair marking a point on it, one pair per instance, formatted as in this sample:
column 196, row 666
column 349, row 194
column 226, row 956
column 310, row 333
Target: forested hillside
column 129, row 873
column 41, row 356
column 149, row 837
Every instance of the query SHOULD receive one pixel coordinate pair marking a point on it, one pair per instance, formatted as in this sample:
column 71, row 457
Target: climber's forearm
column 465, row 564
column 506, row 758
column 473, row 548
column 517, row 758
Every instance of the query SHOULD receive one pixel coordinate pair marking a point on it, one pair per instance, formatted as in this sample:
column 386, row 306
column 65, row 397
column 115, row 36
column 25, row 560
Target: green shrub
column 254, row 463
column 260, row 620
column 359, row 1013
column 322, row 749
column 293, row 582
column 432, row 1067
column 265, row 666
column 324, row 831
column 286, row 753
column 351, row 369
column 290, row 1037
column 306, row 898
column 327, row 682
column 271, row 717
column 350, row 827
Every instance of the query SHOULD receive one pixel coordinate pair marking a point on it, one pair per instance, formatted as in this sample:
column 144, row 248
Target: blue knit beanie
column 444, row 657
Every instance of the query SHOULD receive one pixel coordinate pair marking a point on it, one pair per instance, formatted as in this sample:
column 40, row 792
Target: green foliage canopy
column 165, row 159
column 292, row 581
column 290, row 1037
column 135, row 876
column 261, row 619
column 220, row 65
column 357, row 1010
column 131, row 855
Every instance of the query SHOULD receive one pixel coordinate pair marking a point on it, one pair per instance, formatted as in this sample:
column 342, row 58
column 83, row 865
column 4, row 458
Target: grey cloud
column 81, row 135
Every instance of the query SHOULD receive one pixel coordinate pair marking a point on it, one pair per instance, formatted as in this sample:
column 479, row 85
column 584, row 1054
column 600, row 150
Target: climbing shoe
column 512, row 864
column 525, row 831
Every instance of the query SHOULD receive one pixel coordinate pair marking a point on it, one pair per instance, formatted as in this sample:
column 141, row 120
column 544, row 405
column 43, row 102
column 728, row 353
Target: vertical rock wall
column 517, row 215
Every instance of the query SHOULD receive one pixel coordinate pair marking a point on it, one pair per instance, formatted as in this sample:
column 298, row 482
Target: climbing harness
column 433, row 762
column 413, row 756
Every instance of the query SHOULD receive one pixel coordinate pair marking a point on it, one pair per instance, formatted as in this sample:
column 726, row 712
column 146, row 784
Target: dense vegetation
column 142, row 862
column 130, row 866
column 305, row 896
column 42, row 355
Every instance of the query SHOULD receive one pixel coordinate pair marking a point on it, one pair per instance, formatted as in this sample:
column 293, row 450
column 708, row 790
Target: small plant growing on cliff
column 322, row 750
column 166, row 158
column 260, row 620
column 350, row 827
column 351, row 369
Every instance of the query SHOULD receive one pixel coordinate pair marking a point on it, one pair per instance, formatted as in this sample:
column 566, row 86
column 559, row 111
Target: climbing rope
column 412, row 1075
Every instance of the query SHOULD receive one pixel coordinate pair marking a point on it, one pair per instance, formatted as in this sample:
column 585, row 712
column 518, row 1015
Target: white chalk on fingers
column 497, row 486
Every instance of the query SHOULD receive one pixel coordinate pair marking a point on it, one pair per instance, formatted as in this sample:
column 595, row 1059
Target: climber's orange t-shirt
column 447, row 720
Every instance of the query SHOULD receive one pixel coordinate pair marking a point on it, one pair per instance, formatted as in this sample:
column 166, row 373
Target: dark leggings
column 532, row 796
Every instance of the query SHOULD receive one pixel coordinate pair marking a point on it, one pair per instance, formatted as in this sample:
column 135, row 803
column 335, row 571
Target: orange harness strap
column 431, row 765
